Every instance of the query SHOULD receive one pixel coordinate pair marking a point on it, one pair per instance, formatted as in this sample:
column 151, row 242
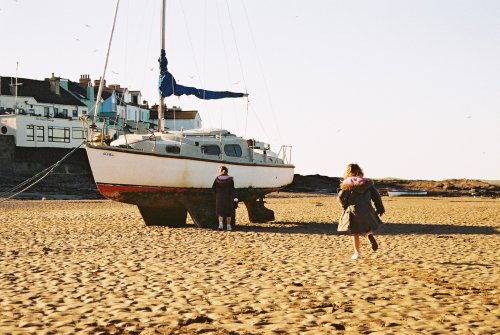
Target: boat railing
column 285, row 154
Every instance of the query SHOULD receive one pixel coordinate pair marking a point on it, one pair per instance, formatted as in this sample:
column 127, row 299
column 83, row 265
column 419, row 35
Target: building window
column 173, row 149
column 232, row 150
column 65, row 112
column 58, row 134
column 56, row 110
column 30, row 132
column 75, row 113
column 40, row 133
column 84, row 112
column 210, row 150
column 78, row 133
column 46, row 111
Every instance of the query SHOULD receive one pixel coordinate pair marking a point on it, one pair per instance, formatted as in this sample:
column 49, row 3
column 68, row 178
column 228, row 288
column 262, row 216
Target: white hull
column 405, row 193
column 121, row 167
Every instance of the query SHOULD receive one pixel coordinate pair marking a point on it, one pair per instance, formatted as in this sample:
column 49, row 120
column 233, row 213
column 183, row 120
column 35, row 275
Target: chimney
column 97, row 82
column 54, row 84
column 85, row 80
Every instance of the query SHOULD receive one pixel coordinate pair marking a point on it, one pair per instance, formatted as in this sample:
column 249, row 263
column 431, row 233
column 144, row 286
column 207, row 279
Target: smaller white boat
column 403, row 193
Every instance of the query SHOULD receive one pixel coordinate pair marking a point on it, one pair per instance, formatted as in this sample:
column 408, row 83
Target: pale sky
column 407, row 89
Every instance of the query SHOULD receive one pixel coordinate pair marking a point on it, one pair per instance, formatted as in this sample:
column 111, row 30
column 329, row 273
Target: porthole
column 210, row 150
column 232, row 150
column 173, row 149
column 4, row 130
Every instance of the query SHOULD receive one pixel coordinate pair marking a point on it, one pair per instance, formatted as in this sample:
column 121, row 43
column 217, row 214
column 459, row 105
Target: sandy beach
column 93, row 267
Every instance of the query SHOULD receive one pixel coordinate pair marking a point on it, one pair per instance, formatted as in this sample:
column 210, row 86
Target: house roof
column 40, row 90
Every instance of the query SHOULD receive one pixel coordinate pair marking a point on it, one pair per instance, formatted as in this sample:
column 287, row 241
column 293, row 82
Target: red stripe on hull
column 169, row 197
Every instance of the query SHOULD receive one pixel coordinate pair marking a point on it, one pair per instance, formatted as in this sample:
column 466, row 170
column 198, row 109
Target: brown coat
column 223, row 187
column 359, row 216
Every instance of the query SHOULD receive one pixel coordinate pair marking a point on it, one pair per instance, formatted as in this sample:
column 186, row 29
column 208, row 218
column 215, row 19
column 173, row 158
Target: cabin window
column 58, row 134
column 232, row 150
column 30, row 132
column 210, row 150
column 78, row 133
column 173, row 149
column 40, row 133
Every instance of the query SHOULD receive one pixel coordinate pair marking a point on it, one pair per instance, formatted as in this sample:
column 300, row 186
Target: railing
column 285, row 154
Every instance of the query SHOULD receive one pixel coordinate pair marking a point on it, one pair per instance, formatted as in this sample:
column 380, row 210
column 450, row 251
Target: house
column 176, row 119
column 41, row 113
column 120, row 108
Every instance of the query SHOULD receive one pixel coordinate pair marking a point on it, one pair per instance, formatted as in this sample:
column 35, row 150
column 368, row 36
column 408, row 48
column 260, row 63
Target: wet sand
column 92, row 267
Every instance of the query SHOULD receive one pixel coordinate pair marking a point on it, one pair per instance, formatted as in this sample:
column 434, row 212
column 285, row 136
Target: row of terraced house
column 48, row 113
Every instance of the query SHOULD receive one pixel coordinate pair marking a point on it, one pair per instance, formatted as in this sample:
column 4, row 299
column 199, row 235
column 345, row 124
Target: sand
column 92, row 267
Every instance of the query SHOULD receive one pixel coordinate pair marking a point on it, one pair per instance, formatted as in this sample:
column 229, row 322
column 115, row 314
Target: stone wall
column 7, row 145
column 72, row 179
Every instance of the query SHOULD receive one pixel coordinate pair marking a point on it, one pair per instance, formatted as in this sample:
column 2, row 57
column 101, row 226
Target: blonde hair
column 353, row 170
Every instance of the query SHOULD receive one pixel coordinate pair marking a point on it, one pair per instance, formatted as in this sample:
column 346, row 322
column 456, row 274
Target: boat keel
column 168, row 217
column 201, row 210
column 257, row 212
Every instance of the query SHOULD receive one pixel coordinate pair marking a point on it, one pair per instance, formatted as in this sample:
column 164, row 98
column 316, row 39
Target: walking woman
column 359, row 217
column 225, row 197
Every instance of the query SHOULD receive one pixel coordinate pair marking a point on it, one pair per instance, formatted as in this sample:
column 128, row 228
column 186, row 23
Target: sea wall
column 72, row 179
column 7, row 145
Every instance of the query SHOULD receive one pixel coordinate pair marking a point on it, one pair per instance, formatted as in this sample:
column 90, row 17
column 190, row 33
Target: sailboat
column 168, row 174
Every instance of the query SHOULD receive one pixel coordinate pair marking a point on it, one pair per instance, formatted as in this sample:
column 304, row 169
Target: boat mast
column 16, row 85
column 162, row 43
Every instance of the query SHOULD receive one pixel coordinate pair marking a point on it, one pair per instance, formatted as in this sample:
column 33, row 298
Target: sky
column 407, row 89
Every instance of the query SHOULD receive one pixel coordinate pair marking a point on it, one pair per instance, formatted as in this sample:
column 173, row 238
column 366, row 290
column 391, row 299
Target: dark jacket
column 223, row 187
column 359, row 216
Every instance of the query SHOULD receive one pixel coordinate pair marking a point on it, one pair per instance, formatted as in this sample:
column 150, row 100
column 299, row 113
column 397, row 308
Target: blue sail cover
column 169, row 87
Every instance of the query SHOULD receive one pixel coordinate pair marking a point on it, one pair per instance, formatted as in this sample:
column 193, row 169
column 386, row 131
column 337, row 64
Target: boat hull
column 406, row 193
column 165, row 187
column 153, row 173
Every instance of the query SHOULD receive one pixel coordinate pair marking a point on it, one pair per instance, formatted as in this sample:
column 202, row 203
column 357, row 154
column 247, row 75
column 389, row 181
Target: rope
column 35, row 179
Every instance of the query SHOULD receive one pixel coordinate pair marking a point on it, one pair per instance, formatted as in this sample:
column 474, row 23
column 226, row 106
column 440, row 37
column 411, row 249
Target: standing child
column 225, row 197
column 359, row 217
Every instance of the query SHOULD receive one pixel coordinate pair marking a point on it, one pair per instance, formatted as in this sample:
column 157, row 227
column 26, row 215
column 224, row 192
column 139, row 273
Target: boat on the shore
column 405, row 193
column 170, row 173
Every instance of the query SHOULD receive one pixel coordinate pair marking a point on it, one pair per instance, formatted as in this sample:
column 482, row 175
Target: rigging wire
column 200, row 78
column 261, row 71
column 240, row 64
column 20, row 188
column 236, row 46
column 101, row 84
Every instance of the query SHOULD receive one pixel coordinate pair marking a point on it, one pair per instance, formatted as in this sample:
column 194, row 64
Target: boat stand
column 168, row 217
column 202, row 212
column 257, row 212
